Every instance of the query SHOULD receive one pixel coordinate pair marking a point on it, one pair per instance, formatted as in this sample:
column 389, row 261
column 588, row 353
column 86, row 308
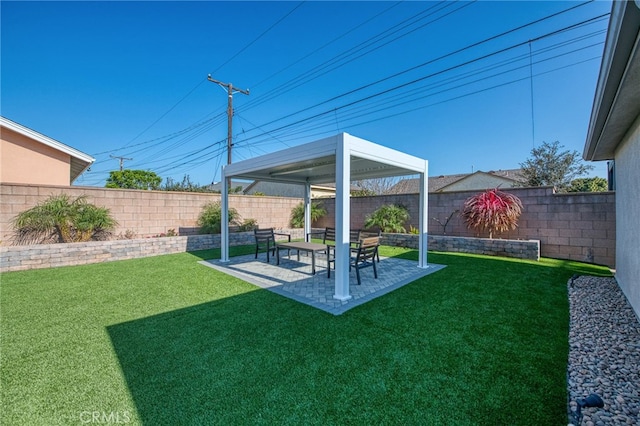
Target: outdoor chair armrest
column 282, row 234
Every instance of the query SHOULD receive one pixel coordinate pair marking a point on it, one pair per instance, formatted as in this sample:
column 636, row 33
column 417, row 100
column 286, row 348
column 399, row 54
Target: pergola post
column 424, row 217
column 342, row 217
column 224, row 222
column 307, row 210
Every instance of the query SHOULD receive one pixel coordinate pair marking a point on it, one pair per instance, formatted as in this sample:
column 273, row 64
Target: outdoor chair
column 330, row 241
column 365, row 256
column 378, row 234
column 266, row 240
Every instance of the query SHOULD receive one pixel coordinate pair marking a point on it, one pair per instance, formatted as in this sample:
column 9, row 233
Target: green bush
column 60, row 219
column 248, row 225
column 297, row 214
column 210, row 218
column 388, row 218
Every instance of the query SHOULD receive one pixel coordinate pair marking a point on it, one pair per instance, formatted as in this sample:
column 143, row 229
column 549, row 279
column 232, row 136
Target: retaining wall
column 576, row 226
column 18, row 258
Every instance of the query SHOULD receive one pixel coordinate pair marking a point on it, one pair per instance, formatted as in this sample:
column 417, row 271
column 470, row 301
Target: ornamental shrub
column 62, row 220
column 210, row 218
column 388, row 218
column 492, row 210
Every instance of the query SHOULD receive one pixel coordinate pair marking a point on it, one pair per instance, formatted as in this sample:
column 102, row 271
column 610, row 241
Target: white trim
column 38, row 137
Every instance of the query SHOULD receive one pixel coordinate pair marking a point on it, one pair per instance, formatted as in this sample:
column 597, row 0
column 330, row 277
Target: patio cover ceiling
column 315, row 163
column 325, row 161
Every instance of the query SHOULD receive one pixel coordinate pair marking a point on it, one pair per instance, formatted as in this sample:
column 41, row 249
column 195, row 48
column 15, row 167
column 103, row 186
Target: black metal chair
column 266, row 240
column 366, row 256
column 329, row 239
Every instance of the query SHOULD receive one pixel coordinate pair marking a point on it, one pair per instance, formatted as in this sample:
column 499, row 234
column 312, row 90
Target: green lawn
column 166, row 341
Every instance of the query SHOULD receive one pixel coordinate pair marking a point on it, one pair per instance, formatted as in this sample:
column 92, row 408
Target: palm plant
column 297, row 214
column 492, row 210
column 60, row 219
column 388, row 218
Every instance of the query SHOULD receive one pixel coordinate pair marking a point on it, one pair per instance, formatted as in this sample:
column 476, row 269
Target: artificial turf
column 167, row 341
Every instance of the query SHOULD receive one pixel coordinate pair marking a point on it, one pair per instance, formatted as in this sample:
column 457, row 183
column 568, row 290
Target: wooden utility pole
column 230, row 91
column 121, row 160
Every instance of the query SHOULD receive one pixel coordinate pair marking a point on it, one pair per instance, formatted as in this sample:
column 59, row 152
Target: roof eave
column 615, row 104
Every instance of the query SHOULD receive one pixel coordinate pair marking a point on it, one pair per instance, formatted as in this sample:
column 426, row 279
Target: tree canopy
column 550, row 165
column 185, row 186
column 593, row 184
column 133, row 179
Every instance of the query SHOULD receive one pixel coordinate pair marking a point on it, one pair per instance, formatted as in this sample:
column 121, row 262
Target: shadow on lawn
column 198, row 364
column 256, row 357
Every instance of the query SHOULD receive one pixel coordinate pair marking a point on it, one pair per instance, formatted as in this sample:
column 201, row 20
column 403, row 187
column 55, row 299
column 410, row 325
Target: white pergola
column 341, row 159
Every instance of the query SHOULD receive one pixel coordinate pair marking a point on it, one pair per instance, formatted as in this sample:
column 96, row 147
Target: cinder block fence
column 578, row 226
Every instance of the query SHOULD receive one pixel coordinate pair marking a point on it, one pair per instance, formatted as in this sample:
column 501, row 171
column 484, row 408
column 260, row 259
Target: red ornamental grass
column 492, row 210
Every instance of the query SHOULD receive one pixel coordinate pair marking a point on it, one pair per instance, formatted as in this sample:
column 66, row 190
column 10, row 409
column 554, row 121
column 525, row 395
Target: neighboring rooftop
column 463, row 181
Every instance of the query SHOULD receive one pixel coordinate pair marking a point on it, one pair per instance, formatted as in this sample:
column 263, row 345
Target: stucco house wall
column 627, row 158
column 31, row 158
column 23, row 160
column 614, row 133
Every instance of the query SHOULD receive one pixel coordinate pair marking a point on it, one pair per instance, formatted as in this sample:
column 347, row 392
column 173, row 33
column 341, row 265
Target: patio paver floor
column 293, row 279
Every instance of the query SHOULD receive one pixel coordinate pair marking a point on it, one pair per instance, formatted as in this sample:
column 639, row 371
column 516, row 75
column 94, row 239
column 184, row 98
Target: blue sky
column 451, row 82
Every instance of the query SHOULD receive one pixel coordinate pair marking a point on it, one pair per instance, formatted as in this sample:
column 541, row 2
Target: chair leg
column 357, row 273
column 375, row 271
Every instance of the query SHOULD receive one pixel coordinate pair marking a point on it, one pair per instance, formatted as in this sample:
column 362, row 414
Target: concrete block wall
column 576, row 226
column 19, row 258
column 145, row 213
column 520, row 249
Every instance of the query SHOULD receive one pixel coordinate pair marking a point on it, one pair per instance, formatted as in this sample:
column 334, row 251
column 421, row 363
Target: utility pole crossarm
column 121, row 160
column 229, row 86
column 230, row 91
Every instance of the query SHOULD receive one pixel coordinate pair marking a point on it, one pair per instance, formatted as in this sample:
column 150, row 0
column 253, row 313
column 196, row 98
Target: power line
column 411, row 82
column 259, row 37
column 347, row 56
column 273, row 132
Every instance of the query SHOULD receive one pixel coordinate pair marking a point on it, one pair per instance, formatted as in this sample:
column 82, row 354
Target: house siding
column 627, row 158
column 23, row 160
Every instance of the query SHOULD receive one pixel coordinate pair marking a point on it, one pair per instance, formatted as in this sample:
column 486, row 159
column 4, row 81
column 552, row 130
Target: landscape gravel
column 604, row 352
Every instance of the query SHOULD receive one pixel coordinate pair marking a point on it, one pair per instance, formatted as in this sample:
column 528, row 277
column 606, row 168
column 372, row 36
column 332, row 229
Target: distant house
column 29, row 157
column 462, row 182
column 279, row 189
column 614, row 134
column 237, row 186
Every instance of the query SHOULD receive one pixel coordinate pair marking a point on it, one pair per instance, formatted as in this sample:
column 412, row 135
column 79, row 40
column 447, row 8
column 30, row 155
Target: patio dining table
column 304, row 246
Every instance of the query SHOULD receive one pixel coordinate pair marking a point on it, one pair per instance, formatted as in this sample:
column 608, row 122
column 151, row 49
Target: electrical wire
column 266, row 135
